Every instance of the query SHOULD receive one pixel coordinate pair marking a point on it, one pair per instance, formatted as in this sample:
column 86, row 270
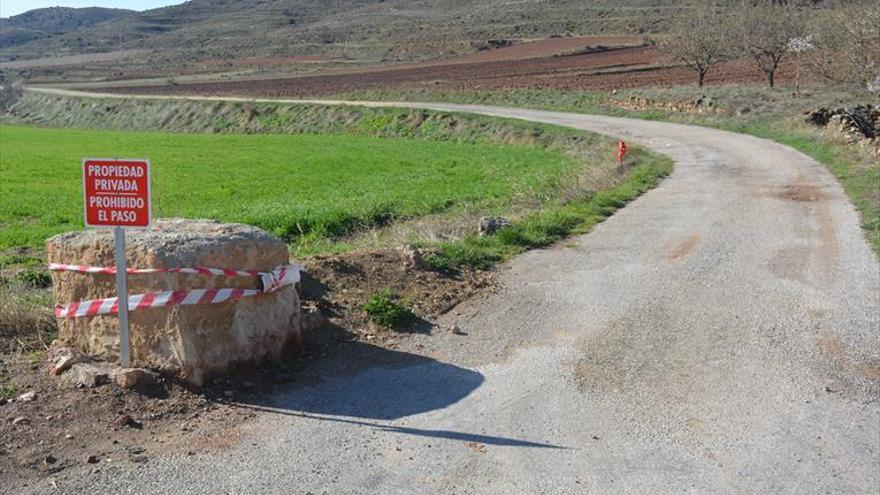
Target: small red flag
column 621, row 151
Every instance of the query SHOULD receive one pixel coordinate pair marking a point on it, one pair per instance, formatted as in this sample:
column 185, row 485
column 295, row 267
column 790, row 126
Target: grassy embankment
column 319, row 191
column 759, row 111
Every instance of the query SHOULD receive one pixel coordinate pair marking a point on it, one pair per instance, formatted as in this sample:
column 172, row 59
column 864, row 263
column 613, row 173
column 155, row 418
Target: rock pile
column 702, row 105
column 491, row 225
column 79, row 370
column 859, row 124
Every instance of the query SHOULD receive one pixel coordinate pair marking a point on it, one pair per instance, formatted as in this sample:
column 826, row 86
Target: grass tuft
column 26, row 318
column 35, row 278
column 440, row 263
column 385, row 309
column 8, row 390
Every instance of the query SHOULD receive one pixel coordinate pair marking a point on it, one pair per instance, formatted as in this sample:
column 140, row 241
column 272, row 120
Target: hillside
column 44, row 23
column 376, row 29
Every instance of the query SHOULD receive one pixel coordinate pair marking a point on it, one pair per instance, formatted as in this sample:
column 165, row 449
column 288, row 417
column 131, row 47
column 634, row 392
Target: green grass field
column 293, row 185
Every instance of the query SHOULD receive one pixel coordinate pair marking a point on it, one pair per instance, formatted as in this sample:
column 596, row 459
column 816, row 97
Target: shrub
column 8, row 390
column 385, row 309
column 16, row 260
column 440, row 263
column 39, row 279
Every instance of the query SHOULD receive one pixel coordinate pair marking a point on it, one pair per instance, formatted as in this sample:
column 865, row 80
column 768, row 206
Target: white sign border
column 149, row 194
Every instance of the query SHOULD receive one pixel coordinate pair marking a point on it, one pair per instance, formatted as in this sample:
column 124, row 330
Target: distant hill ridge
column 41, row 23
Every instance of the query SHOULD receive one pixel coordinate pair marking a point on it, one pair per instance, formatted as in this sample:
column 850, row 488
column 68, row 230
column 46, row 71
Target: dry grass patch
column 27, row 322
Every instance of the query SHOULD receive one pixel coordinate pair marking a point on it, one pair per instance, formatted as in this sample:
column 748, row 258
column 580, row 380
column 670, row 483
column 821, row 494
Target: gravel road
column 721, row 334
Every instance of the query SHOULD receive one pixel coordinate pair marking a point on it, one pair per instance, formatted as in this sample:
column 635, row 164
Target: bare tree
column 847, row 38
column 697, row 39
column 763, row 29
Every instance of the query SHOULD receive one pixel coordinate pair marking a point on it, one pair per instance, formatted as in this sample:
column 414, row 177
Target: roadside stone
column 132, row 377
column 490, row 225
column 125, row 420
column 26, row 397
column 818, row 117
column 194, row 342
column 84, row 375
column 21, row 420
column 858, row 122
column 63, row 358
column 704, row 101
column 50, row 459
column 456, row 330
column 136, row 454
column 415, row 257
column 92, row 459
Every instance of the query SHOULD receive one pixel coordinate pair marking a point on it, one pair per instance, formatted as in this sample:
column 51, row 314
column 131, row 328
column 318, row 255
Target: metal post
column 122, row 294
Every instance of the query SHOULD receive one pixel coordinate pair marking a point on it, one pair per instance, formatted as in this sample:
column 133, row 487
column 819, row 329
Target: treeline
column 838, row 40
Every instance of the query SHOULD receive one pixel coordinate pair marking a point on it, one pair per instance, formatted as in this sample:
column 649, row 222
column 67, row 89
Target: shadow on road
column 406, row 384
column 367, row 385
column 421, row 432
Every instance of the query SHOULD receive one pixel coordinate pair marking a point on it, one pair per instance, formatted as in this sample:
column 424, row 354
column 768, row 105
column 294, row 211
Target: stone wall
column 192, row 342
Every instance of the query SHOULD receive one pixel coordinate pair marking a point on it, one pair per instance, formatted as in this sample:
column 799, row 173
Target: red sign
column 116, row 192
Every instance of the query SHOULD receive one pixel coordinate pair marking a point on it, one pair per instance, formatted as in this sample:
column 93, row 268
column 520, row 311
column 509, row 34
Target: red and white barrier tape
column 201, row 270
column 272, row 281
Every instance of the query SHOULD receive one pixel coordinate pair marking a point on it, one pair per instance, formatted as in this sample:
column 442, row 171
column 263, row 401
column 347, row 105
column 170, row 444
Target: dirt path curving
column 721, row 334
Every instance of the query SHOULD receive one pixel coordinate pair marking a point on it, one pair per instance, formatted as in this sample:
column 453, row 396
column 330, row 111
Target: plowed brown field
column 586, row 63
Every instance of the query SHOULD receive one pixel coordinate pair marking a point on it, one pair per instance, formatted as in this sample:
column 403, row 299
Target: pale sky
column 13, row 7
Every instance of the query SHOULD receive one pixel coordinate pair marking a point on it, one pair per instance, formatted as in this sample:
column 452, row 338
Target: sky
column 14, row 7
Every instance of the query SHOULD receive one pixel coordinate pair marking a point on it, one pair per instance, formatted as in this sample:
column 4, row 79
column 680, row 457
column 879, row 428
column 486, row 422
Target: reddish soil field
column 546, row 48
column 300, row 59
column 520, row 50
column 508, row 68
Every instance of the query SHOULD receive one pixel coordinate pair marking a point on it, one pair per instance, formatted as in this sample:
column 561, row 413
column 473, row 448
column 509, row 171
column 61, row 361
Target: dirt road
column 718, row 335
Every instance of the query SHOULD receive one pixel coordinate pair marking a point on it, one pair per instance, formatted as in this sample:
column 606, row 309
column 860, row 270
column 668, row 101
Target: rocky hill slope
column 380, row 29
column 46, row 23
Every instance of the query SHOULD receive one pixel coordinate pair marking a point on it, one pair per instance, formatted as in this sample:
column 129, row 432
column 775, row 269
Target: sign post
column 116, row 193
column 122, row 295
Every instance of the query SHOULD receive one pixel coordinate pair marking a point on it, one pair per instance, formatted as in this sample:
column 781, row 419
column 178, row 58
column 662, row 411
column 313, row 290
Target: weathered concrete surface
column 193, row 342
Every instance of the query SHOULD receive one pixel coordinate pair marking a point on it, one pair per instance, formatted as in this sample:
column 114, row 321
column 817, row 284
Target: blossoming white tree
column 799, row 45
column 763, row 29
